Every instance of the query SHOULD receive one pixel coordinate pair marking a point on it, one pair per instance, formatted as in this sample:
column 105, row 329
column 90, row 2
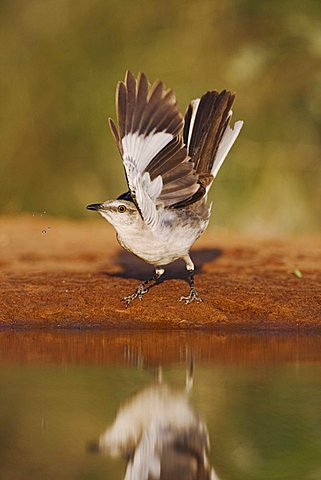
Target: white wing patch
column 146, row 192
column 142, row 149
column 228, row 139
column 138, row 151
column 195, row 104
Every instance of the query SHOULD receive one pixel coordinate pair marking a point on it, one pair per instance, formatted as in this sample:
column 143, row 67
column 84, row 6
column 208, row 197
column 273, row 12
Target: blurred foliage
column 61, row 60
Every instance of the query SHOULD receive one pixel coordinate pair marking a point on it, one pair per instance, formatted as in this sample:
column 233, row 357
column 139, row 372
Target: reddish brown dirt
column 57, row 273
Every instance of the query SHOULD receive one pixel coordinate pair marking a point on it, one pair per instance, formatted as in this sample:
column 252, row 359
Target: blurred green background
column 61, row 60
column 263, row 419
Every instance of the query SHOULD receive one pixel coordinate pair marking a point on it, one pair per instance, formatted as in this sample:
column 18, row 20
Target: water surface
column 258, row 397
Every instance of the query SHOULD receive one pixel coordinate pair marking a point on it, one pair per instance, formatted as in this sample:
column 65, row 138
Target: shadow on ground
column 133, row 267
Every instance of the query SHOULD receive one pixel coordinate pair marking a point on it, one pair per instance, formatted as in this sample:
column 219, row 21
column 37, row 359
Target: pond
column 104, row 405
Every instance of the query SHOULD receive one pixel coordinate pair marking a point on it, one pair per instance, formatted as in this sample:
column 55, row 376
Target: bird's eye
column 121, row 209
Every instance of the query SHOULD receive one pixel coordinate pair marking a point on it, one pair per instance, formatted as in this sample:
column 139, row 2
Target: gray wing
column 158, row 169
column 207, row 134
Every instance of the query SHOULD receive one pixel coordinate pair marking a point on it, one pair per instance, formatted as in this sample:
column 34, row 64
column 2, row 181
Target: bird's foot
column 192, row 297
column 137, row 293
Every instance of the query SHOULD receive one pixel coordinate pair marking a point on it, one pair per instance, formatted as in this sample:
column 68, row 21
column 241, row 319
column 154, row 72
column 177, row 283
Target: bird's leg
column 192, row 292
column 143, row 287
column 189, row 375
column 159, row 374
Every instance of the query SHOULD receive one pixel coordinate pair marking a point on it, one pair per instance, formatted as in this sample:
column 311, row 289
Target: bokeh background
column 61, row 60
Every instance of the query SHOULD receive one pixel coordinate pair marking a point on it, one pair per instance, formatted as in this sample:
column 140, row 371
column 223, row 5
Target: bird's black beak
column 94, row 206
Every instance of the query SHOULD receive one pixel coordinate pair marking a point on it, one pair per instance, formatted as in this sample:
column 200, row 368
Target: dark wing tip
column 128, row 74
column 121, row 102
column 156, row 90
column 143, row 76
column 115, row 134
column 210, row 122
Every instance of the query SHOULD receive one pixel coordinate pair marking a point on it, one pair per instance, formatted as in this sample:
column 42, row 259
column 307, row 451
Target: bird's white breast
column 172, row 240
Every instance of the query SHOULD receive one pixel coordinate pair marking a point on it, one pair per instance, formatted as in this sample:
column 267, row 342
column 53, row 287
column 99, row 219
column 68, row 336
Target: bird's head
column 118, row 212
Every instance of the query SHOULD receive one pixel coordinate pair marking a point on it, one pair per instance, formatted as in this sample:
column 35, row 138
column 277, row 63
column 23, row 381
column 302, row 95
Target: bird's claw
column 192, row 297
column 138, row 293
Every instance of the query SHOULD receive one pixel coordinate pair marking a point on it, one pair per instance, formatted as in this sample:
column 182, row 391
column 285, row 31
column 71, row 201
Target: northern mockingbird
column 170, row 165
column 160, row 436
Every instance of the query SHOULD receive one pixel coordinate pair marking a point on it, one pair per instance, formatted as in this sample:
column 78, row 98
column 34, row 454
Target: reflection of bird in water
column 160, row 436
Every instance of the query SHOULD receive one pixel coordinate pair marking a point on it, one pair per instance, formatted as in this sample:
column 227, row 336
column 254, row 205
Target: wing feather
column 227, row 141
column 208, row 137
column 162, row 170
column 207, row 134
column 141, row 100
column 115, row 134
column 155, row 159
column 121, row 97
column 131, row 100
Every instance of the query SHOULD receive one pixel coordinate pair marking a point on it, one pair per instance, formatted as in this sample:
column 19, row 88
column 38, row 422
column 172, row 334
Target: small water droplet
column 43, row 232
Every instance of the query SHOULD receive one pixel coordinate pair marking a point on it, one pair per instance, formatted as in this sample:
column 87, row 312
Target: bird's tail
column 207, row 134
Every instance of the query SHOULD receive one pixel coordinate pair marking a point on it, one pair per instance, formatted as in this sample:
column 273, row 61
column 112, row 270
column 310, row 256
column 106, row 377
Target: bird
column 170, row 163
column 159, row 435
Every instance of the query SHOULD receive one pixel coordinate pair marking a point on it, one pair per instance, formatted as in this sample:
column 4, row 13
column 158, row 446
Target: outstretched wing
column 157, row 166
column 207, row 134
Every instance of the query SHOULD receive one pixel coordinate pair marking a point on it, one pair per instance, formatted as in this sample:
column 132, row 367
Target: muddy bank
column 57, row 273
